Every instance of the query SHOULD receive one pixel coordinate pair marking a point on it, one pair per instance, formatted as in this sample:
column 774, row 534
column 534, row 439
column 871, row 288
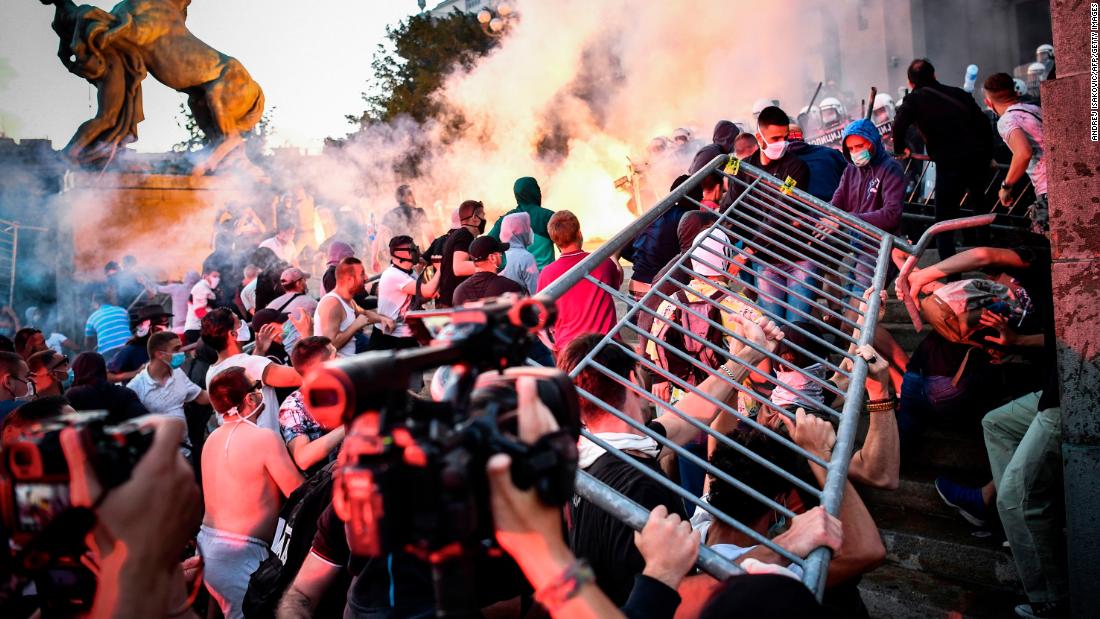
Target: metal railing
column 9, row 256
column 921, row 170
column 770, row 228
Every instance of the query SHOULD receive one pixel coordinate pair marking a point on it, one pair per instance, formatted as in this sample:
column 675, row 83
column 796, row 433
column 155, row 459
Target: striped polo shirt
column 110, row 325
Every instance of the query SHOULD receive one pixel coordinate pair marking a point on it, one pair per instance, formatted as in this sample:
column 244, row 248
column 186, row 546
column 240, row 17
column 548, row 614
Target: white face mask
column 243, row 333
column 775, row 150
column 213, row 281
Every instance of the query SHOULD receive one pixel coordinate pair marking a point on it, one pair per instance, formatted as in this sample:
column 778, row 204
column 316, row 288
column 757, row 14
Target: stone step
column 957, row 451
column 944, row 547
column 894, row 592
column 916, row 492
column 904, row 334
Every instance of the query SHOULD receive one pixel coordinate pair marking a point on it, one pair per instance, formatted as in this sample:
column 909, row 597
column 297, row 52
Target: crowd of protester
column 216, row 361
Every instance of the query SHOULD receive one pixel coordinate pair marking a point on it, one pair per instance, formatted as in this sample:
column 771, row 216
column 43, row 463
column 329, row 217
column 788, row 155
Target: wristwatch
column 1006, row 185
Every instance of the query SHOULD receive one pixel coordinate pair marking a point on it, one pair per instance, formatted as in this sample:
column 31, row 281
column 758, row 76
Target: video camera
column 45, row 533
column 34, row 476
column 411, row 475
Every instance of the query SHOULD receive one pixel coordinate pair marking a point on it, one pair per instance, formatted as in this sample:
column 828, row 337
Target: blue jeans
column 798, row 277
column 924, row 398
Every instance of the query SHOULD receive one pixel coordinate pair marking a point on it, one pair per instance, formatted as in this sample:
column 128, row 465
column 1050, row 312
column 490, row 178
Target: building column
column 1073, row 171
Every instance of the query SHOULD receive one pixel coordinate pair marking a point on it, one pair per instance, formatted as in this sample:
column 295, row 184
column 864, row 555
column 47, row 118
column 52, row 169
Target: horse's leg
column 111, row 97
column 226, row 98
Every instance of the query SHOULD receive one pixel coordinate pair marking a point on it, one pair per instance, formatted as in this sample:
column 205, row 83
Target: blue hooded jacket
column 875, row 192
column 826, row 165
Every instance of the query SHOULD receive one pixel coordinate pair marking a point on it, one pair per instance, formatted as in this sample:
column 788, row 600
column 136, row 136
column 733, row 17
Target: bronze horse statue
column 114, row 50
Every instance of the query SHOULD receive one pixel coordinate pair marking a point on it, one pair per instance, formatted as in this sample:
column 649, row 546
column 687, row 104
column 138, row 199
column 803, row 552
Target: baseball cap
column 151, row 311
column 291, row 275
column 484, row 246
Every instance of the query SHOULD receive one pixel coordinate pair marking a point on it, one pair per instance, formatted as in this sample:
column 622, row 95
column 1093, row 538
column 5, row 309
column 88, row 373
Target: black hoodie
column 724, row 134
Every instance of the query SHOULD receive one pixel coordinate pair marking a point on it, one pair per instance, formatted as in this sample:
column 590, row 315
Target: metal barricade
column 773, row 229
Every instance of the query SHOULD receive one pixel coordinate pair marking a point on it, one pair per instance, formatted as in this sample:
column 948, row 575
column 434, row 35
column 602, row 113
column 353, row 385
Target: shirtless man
column 338, row 317
column 246, row 471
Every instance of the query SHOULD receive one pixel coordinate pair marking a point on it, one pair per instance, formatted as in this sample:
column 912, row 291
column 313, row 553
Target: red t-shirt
column 585, row 308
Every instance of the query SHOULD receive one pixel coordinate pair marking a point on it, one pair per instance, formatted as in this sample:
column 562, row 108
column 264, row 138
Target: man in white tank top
column 338, row 317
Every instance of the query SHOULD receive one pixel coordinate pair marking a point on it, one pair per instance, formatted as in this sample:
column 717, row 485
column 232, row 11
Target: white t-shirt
column 393, row 302
column 201, row 296
column 254, row 368
column 248, row 295
column 287, row 252
column 56, row 341
column 701, row 521
column 167, row 399
column 1029, row 119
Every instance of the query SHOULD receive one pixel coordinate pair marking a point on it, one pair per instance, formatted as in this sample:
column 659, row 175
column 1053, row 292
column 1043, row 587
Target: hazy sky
column 311, row 58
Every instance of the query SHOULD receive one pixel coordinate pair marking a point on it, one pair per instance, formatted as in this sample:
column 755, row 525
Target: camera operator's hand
column 531, row 531
column 143, row 524
column 668, row 545
column 525, row 527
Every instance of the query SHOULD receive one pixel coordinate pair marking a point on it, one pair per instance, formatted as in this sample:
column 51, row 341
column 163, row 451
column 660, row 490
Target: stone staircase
column 937, row 564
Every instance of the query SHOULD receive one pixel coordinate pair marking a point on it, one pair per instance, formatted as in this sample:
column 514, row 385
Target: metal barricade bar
column 764, row 225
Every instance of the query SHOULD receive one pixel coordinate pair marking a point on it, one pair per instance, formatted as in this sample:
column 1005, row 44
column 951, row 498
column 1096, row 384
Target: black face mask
column 413, row 254
column 481, row 225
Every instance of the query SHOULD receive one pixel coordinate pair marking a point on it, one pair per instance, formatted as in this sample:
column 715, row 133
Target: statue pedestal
column 165, row 221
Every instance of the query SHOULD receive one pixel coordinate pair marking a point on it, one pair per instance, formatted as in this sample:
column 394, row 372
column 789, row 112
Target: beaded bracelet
column 566, row 587
column 881, row 406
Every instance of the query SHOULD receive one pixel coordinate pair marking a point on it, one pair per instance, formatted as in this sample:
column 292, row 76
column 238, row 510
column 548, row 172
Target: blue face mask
column 177, row 359
column 69, row 378
column 862, row 158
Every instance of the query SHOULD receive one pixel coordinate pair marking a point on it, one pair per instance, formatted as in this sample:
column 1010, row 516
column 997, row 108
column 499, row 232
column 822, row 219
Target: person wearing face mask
column 223, row 331
column 162, row 386
column 778, row 268
column 246, row 474
column 873, row 186
column 519, row 264
column 201, row 302
column 131, row 358
column 772, row 134
column 456, row 265
column 50, row 372
column 398, row 287
column 488, row 256
column 529, row 200
column 16, row 386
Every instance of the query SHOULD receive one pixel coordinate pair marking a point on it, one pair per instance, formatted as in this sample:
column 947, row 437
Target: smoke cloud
column 574, row 89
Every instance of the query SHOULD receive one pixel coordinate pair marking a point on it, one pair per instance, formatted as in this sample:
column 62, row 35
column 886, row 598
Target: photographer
column 141, row 527
column 596, row 535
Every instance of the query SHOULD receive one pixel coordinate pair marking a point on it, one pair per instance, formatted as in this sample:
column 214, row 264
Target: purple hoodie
column 875, row 192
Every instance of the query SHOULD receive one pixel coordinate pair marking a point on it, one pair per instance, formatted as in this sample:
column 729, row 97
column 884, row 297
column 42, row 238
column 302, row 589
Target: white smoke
column 597, row 79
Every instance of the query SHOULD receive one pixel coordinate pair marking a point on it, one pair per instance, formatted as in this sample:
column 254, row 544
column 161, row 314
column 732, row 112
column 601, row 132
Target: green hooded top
column 529, row 200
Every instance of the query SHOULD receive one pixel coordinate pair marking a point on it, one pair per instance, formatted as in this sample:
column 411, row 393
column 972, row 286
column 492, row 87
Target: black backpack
column 293, row 539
